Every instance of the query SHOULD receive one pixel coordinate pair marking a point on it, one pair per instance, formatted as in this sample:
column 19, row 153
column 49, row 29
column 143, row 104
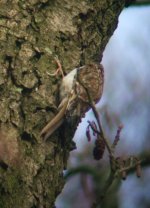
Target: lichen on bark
column 32, row 34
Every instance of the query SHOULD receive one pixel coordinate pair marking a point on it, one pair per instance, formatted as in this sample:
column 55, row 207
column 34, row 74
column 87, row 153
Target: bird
column 74, row 100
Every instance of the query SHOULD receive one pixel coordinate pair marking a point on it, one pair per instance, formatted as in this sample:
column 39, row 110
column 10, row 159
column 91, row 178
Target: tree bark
column 32, row 34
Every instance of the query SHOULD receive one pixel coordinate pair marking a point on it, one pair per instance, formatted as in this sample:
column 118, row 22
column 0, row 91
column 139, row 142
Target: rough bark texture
column 32, row 34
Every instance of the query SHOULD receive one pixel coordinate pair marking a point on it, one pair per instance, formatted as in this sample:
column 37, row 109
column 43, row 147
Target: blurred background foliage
column 126, row 101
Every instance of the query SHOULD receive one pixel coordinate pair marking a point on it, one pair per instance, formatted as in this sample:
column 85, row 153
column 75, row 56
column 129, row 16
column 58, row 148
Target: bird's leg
column 58, row 70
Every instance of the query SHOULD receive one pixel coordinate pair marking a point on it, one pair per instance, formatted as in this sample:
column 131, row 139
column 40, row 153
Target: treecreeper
column 74, row 100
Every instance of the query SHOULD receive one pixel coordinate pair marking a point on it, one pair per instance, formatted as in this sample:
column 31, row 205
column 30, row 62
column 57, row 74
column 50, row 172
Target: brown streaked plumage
column 73, row 96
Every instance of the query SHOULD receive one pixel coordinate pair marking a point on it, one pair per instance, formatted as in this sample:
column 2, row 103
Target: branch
column 140, row 3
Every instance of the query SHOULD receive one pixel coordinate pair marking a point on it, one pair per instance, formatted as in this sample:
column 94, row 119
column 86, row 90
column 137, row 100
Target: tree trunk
column 32, row 34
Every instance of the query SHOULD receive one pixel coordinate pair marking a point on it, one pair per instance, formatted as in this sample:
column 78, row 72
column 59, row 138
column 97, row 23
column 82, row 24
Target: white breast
column 67, row 83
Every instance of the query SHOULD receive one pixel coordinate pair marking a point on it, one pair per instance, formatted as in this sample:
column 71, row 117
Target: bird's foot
column 58, row 70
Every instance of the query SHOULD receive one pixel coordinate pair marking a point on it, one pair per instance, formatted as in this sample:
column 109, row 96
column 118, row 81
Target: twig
column 83, row 169
column 117, row 137
column 93, row 128
column 92, row 104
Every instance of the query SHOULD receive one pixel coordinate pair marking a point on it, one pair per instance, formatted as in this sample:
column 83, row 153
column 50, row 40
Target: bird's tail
column 54, row 124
